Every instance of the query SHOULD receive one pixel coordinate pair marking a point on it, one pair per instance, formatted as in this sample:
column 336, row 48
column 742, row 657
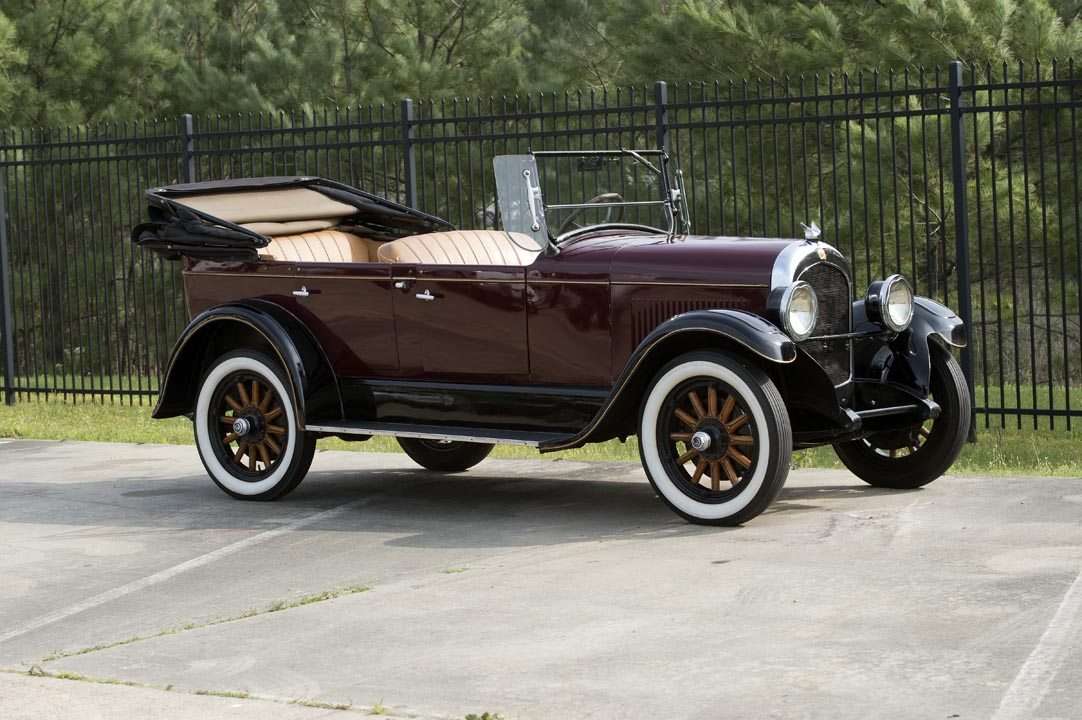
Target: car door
column 461, row 322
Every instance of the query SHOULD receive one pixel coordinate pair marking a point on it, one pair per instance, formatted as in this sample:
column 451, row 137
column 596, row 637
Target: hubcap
column 701, row 440
column 241, row 426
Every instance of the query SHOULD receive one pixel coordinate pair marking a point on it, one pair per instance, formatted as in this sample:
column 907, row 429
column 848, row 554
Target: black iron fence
column 965, row 179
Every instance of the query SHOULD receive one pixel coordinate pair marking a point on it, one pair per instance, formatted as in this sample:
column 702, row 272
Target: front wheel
column 714, row 438
column 910, row 458
column 246, row 428
column 445, row 455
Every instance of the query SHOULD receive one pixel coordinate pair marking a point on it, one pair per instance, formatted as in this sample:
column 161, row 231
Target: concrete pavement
column 536, row 589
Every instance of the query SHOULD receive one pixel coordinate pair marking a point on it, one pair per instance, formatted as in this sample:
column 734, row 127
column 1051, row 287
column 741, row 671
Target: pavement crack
column 276, row 606
column 378, row 709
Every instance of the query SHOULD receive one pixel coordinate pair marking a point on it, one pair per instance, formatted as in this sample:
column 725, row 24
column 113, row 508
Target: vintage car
column 321, row 310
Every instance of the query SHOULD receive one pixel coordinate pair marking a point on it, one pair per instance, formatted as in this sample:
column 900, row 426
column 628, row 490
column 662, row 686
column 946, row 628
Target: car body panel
column 472, row 328
column 348, row 307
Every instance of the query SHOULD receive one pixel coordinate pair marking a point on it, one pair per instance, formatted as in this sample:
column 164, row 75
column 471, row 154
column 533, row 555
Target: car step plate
column 439, row 432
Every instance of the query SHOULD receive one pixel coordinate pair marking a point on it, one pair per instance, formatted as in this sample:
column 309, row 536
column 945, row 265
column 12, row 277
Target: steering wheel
column 597, row 199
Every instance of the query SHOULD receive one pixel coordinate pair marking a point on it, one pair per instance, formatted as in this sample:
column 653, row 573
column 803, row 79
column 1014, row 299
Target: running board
column 440, row 432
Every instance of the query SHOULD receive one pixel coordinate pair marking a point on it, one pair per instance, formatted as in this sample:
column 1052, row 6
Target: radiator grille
column 835, row 310
column 651, row 312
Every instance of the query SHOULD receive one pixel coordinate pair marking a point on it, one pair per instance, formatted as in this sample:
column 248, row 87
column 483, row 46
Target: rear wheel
column 910, row 458
column 714, row 438
column 246, row 428
column 445, row 455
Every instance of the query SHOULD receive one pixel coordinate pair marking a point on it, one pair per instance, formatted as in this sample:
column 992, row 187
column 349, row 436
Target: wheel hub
column 701, row 440
column 241, row 426
column 712, row 437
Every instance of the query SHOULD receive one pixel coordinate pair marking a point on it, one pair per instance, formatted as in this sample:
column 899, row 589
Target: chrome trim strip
column 362, row 430
column 275, row 276
column 420, row 279
column 690, row 284
column 553, row 281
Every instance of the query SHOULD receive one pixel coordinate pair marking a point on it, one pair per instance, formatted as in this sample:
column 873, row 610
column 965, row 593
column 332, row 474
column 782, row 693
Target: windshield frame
column 656, row 161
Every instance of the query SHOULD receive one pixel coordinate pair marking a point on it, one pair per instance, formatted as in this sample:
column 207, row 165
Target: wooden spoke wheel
column 246, row 428
column 250, row 414
column 710, row 437
column 714, row 438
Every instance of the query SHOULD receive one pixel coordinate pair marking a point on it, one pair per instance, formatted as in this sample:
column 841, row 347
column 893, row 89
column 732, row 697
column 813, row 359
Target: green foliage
column 72, row 61
column 83, row 61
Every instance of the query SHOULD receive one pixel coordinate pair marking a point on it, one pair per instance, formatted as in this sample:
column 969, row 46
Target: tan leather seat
column 332, row 246
column 462, row 247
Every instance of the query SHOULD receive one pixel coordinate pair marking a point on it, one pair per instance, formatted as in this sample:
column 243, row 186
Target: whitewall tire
column 714, row 438
column 246, row 428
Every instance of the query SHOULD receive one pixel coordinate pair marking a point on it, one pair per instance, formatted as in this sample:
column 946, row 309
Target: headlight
column 799, row 309
column 890, row 302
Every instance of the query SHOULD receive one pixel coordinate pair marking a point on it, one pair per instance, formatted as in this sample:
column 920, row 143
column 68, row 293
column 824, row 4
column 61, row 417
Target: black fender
column 906, row 358
column 745, row 332
column 258, row 325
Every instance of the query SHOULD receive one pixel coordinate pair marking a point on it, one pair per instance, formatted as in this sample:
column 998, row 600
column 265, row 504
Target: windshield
column 520, row 205
column 551, row 195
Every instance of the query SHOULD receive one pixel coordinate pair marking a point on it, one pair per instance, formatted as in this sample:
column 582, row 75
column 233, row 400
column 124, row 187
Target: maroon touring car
column 318, row 309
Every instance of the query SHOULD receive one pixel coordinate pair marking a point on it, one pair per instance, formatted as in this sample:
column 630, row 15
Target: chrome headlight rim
column 785, row 306
column 878, row 300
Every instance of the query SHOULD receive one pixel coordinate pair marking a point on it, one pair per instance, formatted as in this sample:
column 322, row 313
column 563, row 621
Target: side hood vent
column 648, row 313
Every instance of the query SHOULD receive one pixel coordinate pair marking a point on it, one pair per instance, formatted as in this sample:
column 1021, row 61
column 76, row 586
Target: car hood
column 698, row 259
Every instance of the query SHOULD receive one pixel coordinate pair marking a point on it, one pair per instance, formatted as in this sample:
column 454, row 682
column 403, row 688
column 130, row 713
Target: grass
column 239, row 695
column 37, row 671
column 322, row 705
column 997, row 451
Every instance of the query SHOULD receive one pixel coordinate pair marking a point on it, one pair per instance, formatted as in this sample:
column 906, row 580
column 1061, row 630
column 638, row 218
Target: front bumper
column 871, row 406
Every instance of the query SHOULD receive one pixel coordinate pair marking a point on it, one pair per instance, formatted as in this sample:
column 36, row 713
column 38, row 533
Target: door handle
column 426, row 296
column 303, row 292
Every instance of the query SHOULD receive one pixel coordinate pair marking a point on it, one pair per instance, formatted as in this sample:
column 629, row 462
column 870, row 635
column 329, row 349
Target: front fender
column 697, row 330
column 750, row 331
column 907, row 357
column 257, row 325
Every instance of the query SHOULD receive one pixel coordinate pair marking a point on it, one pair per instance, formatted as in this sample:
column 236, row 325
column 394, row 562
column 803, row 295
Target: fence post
column 961, row 224
column 661, row 114
column 188, row 147
column 5, row 304
column 408, row 153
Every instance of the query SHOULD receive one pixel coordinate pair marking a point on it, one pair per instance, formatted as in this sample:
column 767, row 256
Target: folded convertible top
column 232, row 219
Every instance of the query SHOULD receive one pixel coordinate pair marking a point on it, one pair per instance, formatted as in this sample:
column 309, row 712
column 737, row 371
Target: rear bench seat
column 462, row 247
column 327, row 246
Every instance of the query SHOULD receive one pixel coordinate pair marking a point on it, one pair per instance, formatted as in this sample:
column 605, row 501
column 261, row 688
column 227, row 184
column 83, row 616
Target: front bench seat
column 326, row 246
column 462, row 247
